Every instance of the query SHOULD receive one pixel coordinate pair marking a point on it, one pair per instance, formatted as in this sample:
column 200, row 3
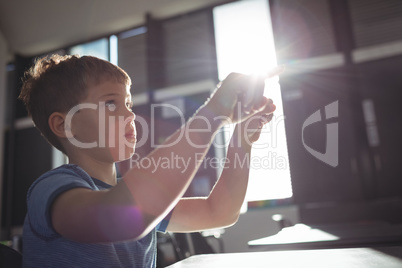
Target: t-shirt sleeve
column 162, row 226
column 41, row 196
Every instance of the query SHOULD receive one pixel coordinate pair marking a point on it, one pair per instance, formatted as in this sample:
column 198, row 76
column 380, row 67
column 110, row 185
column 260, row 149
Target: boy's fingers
column 275, row 71
column 257, row 87
column 250, row 90
column 253, row 93
column 263, row 103
column 266, row 106
column 264, row 119
column 269, row 108
column 258, row 93
column 267, row 118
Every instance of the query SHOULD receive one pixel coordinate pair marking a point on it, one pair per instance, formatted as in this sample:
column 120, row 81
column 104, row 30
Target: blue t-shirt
column 44, row 247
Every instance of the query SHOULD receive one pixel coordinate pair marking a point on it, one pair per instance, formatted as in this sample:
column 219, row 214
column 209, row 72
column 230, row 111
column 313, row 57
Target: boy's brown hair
column 58, row 83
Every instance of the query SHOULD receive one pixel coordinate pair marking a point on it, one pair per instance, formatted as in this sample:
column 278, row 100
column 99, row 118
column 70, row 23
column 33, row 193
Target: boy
column 80, row 215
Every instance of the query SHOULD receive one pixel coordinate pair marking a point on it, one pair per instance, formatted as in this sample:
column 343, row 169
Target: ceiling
column 32, row 27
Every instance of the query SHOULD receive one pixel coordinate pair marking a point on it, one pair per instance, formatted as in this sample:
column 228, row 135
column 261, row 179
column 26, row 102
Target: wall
column 3, row 56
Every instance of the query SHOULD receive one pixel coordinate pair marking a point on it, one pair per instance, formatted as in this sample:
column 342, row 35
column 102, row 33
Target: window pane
column 246, row 45
column 132, row 57
column 98, row 48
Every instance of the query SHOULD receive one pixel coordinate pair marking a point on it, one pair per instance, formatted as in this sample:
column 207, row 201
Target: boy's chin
column 122, row 156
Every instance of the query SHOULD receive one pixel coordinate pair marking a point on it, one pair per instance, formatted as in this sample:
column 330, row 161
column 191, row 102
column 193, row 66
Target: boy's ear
column 57, row 125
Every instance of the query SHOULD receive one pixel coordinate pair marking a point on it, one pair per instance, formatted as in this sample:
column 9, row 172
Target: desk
column 302, row 236
column 386, row 257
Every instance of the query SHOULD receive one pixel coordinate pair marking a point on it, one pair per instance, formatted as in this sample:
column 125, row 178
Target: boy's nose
column 132, row 117
column 129, row 119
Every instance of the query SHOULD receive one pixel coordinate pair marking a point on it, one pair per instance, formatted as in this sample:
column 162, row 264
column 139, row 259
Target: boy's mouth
column 130, row 135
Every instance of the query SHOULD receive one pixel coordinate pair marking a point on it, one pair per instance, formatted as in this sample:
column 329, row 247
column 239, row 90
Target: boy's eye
column 110, row 105
column 129, row 106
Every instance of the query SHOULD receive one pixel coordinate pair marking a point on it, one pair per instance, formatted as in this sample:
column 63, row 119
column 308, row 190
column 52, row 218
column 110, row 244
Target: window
column 98, row 48
column 132, row 57
column 244, row 44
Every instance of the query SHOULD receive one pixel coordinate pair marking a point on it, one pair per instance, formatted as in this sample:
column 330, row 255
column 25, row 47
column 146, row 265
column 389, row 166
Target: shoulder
column 54, row 182
column 47, row 188
column 63, row 175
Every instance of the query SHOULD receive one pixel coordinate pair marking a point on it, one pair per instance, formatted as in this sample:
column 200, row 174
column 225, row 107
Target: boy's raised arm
column 135, row 206
column 222, row 207
column 156, row 193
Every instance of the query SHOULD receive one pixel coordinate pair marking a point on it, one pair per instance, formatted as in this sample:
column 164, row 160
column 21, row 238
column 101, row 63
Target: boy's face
column 103, row 123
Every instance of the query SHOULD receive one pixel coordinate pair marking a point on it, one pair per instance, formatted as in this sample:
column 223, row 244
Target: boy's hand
column 250, row 129
column 239, row 96
column 236, row 97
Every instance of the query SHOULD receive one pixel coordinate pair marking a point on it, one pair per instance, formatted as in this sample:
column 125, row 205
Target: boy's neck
column 105, row 172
